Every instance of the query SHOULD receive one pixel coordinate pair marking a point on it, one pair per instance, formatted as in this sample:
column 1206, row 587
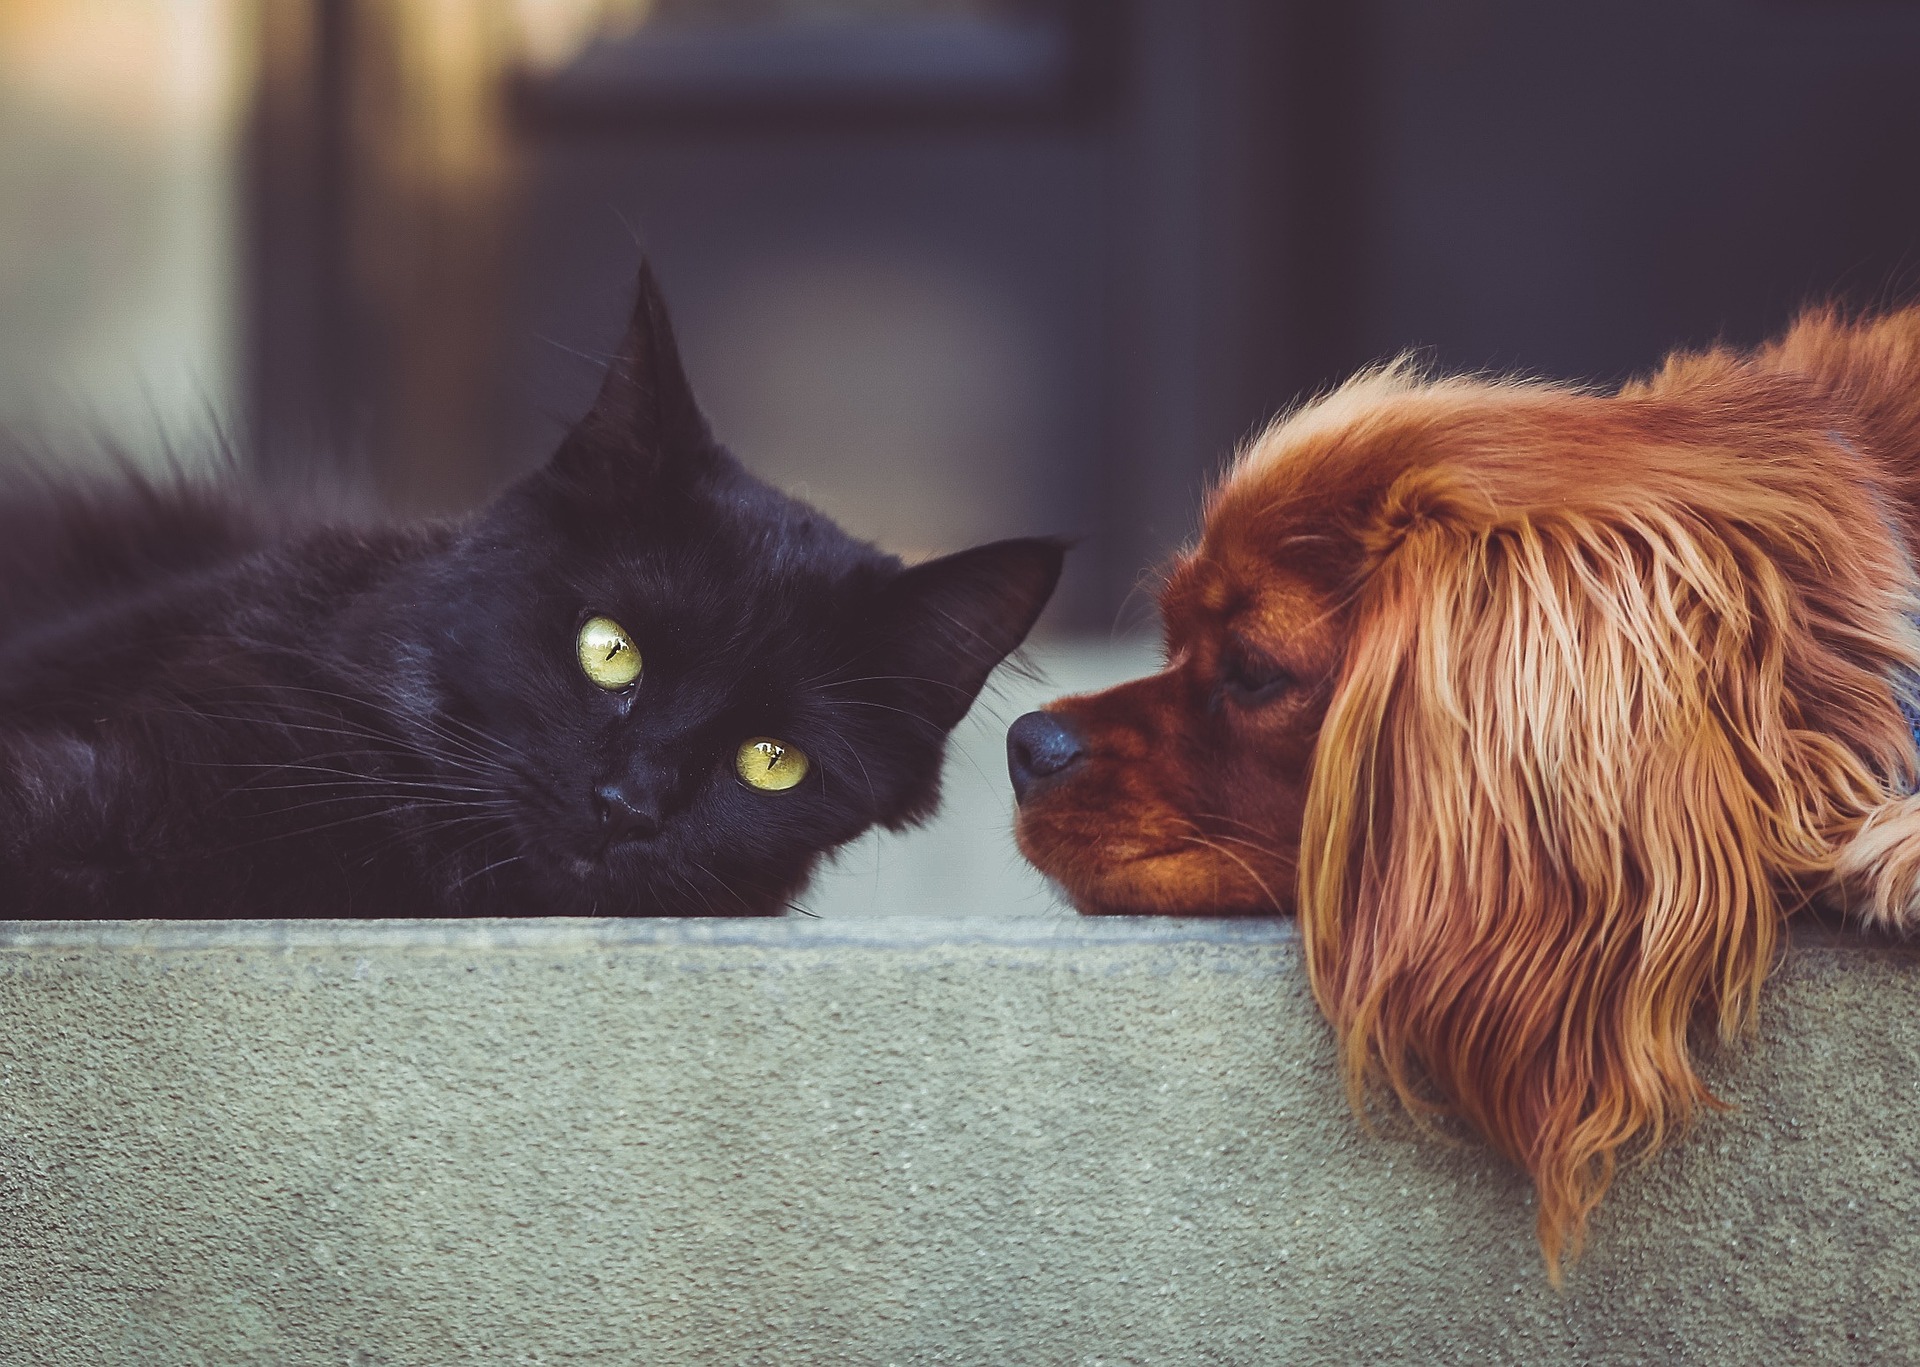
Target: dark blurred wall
column 1048, row 282
column 1575, row 188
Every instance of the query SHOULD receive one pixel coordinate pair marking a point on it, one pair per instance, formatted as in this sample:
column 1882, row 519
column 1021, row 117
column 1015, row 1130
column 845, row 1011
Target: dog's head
column 1534, row 703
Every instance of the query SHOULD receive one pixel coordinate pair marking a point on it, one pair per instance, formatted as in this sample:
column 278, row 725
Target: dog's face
column 1182, row 792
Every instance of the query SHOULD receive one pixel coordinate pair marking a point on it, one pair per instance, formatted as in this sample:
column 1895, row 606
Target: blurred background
column 951, row 269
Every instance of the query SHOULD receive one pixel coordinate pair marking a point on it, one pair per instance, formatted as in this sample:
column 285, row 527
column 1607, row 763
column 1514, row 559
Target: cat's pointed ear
column 645, row 416
column 950, row 621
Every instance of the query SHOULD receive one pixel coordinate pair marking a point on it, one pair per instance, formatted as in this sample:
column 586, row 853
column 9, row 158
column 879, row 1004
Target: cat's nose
column 626, row 812
column 1040, row 749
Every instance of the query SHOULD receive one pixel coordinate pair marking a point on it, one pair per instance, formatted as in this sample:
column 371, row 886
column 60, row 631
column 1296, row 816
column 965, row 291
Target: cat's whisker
column 406, row 833
column 388, row 802
column 434, row 726
column 438, row 725
column 947, row 684
column 678, row 883
column 468, row 812
column 385, row 742
column 348, row 776
column 301, row 833
column 487, row 869
column 369, row 746
column 490, row 828
column 727, row 888
column 915, row 717
column 873, row 796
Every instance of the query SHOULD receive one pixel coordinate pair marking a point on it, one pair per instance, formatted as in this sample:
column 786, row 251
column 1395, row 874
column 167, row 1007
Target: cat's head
column 685, row 685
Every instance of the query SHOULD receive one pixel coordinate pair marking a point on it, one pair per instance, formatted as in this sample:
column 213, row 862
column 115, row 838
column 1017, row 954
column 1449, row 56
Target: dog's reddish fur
column 1543, row 709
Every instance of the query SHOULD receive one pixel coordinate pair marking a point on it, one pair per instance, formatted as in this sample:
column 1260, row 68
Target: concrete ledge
column 883, row 1141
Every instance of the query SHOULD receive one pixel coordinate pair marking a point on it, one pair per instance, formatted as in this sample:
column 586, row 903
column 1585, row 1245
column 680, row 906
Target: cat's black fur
column 210, row 709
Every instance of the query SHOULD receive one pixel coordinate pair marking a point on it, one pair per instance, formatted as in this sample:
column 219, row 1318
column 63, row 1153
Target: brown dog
column 1543, row 709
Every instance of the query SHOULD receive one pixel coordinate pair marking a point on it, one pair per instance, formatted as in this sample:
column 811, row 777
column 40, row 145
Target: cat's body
column 213, row 708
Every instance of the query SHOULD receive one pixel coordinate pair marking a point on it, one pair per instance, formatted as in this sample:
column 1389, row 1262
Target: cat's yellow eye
column 608, row 655
column 770, row 765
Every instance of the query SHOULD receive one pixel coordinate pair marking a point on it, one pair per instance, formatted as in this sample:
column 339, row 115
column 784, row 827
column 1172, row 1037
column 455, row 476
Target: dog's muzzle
column 1041, row 750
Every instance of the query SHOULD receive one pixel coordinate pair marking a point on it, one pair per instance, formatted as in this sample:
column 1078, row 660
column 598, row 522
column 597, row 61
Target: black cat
column 640, row 682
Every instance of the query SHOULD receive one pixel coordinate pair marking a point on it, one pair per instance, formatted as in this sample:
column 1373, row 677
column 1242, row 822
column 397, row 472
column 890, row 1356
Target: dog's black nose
column 1040, row 748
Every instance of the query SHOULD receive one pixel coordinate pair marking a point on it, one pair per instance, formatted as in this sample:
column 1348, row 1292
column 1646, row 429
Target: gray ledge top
column 561, row 933
column 570, row 932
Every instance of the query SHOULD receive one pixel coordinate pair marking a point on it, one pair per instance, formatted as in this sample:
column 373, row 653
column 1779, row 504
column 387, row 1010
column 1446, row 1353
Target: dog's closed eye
column 1250, row 678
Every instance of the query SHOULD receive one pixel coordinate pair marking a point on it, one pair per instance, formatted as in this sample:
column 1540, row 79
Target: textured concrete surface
column 872, row 1142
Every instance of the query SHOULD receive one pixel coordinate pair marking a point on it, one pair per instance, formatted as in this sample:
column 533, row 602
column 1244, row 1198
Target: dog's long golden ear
column 1556, row 788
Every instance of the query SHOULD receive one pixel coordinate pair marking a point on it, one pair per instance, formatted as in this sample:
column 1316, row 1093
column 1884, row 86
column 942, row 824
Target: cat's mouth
column 605, row 868
column 586, row 882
